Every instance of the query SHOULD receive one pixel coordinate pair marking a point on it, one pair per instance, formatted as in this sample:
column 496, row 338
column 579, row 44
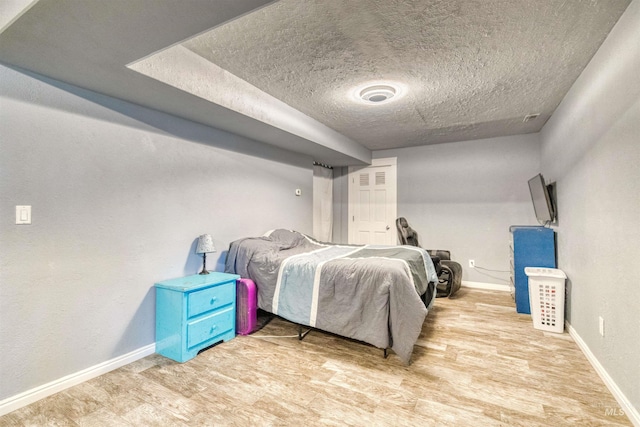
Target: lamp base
column 204, row 264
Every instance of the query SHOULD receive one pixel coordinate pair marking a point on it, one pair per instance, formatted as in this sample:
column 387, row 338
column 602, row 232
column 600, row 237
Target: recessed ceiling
column 285, row 72
column 472, row 69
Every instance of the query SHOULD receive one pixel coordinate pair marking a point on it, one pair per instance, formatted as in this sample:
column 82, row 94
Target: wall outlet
column 601, row 325
column 472, row 263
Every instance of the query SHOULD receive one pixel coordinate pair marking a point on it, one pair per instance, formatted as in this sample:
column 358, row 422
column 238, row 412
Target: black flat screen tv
column 542, row 203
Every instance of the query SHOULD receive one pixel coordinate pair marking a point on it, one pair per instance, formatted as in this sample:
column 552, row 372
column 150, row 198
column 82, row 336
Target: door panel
column 372, row 203
column 380, row 205
column 364, row 205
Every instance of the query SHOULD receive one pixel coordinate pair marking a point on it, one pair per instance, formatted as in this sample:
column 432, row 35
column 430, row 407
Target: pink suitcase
column 246, row 306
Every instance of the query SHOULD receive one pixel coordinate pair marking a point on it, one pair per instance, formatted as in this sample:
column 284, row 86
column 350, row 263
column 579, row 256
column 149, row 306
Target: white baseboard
column 488, row 286
column 625, row 405
column 23, row 399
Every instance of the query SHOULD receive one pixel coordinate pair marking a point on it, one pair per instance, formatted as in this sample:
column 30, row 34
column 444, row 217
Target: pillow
column 287, row 238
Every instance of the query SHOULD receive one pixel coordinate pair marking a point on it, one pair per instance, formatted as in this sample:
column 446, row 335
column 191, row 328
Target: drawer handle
column 213, row 328
column 213, row 300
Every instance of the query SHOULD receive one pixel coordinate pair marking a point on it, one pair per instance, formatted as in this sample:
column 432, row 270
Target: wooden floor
column 477, row 363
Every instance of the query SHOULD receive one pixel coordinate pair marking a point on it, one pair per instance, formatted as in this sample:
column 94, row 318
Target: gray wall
column 591, row 147
column 119, row 195
column 463, row 197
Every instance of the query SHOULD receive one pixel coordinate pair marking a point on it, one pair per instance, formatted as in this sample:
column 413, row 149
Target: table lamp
column 205, row 246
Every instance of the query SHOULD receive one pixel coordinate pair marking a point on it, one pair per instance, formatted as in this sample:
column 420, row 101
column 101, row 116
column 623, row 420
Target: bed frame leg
column 301, row 334
column 385, row 353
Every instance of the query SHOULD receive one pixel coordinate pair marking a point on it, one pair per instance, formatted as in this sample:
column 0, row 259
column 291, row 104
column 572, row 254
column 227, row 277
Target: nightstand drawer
column 210, row 299
column 210, row 327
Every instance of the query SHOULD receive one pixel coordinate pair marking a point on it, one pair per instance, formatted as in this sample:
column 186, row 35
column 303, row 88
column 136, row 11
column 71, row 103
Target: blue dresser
column 193, row 313
column 530, row 247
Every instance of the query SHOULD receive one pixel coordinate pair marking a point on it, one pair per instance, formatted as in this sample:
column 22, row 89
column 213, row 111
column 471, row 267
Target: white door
column 372, row 203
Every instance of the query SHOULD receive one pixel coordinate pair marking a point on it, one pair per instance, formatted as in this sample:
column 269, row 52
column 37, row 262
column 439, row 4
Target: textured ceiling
column 472, row 69
column 284, row 72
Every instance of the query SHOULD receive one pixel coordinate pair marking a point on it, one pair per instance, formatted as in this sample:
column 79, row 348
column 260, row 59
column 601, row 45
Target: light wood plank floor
column 477, row 363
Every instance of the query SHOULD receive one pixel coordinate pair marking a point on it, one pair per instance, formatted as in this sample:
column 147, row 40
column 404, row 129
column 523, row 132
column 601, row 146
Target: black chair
column 449, row 272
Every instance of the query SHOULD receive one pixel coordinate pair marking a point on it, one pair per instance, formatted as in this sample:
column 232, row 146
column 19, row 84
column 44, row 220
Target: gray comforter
column 368, row 293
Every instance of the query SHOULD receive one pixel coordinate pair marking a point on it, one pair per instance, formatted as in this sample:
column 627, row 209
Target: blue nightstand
column 193, row 313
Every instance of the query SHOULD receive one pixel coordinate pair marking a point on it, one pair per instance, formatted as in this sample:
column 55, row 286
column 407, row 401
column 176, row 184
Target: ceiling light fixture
column 376, row 93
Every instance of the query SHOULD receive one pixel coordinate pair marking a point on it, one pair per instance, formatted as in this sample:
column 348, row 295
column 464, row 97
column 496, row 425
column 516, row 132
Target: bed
column 376, row 294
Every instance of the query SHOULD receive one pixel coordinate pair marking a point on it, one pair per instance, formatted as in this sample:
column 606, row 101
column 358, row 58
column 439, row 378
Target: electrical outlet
column 601, row 325
column 472, row 263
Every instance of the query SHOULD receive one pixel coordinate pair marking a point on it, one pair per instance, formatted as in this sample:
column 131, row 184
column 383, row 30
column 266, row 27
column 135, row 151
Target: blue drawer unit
column 193, row 313
column 530, row 247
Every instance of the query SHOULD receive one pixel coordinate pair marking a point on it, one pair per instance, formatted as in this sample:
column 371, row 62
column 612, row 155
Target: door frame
column 386, row 161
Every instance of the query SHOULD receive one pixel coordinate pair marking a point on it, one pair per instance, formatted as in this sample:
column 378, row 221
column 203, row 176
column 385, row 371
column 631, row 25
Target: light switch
column 23, row 214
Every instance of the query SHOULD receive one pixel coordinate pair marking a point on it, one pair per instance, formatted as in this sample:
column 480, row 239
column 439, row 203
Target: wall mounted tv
column 541, row 196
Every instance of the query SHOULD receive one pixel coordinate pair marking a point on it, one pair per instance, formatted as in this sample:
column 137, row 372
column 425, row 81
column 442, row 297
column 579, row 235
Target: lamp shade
column 205, row 244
